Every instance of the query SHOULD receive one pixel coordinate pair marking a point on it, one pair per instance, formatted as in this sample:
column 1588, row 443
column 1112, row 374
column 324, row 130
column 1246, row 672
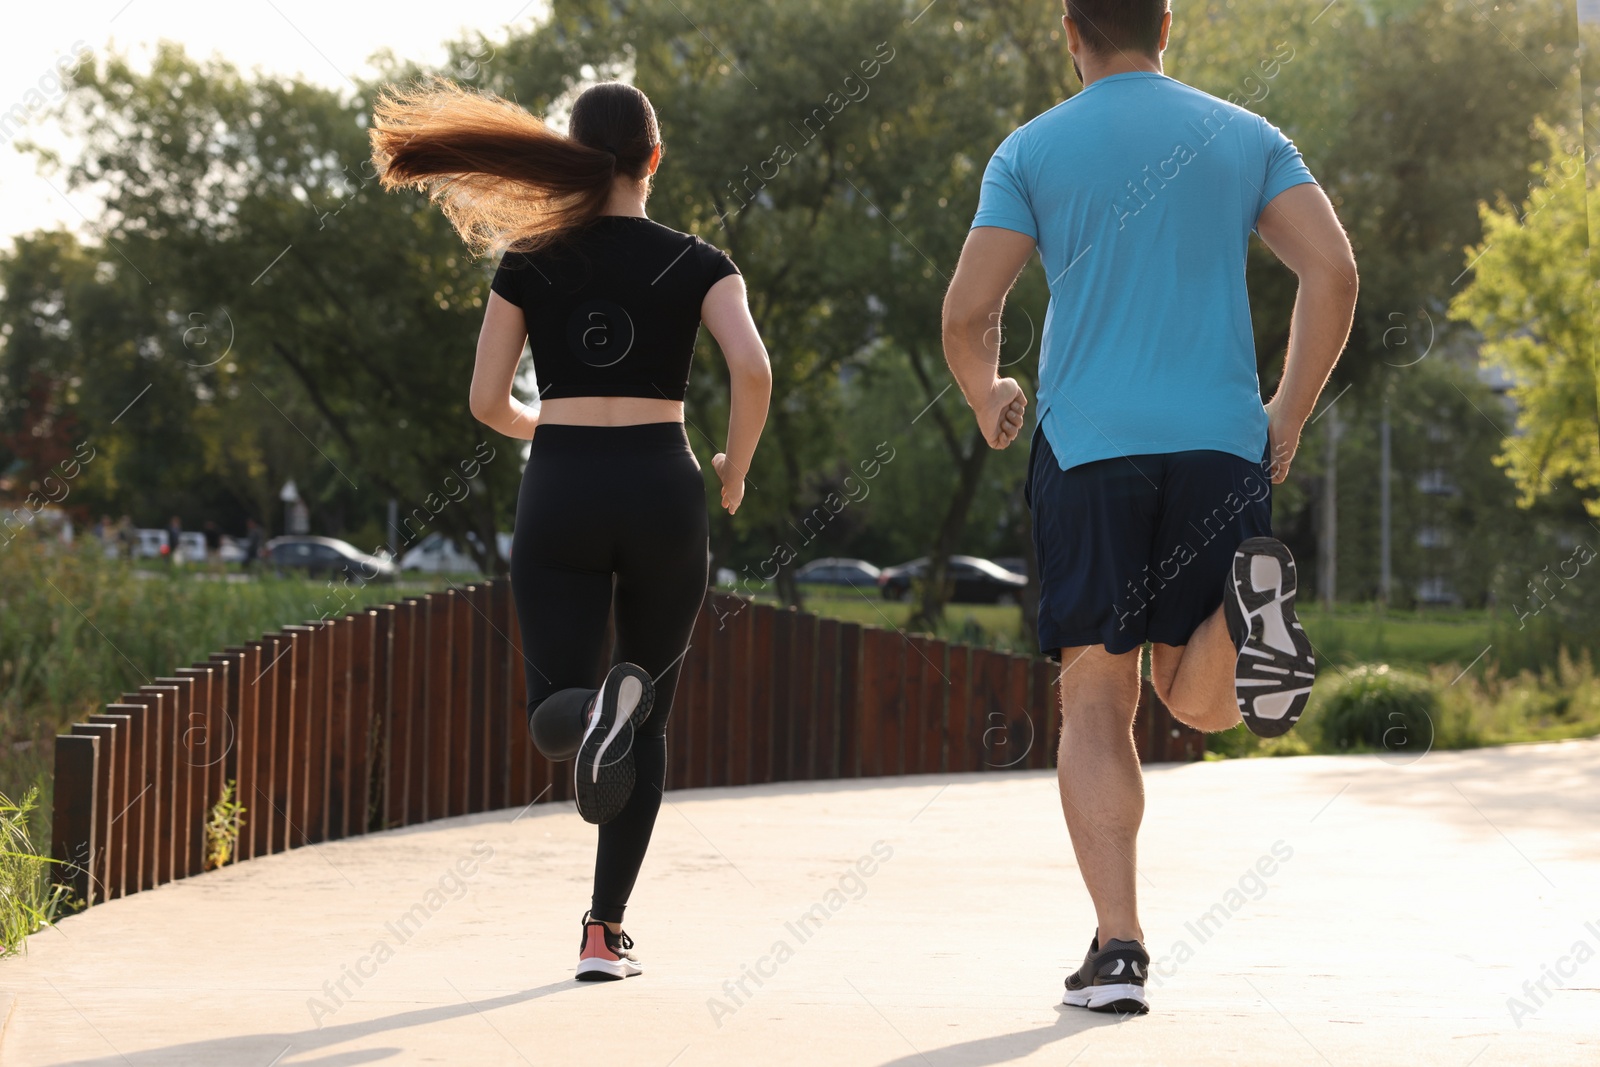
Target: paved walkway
column 1403, row 910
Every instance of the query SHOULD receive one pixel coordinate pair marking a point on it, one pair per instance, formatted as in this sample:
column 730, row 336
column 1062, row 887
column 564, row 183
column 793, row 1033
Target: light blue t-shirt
column 1141, row 193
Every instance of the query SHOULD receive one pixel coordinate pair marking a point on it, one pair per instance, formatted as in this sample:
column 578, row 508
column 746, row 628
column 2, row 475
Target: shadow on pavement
column 1002, row 1048
column 283, row 1046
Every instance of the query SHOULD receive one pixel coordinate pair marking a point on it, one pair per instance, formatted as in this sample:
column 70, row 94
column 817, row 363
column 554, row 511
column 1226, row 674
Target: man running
column 1153, row 459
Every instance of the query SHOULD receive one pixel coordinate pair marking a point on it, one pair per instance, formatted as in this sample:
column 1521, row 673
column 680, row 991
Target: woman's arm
column 727, row 315
column 499, row 351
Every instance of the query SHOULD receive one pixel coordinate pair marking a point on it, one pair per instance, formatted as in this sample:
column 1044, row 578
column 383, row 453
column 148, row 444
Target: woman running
column 612, row 509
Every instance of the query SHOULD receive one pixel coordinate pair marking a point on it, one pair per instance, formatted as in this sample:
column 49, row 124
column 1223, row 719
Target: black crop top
column 613, row 309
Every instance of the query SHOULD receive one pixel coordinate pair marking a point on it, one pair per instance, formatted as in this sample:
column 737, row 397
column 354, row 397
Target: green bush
column 27, row 899
column 1378, row 707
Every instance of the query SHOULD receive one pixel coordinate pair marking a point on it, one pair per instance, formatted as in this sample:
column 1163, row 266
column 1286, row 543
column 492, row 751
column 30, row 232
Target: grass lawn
column 1347, row 636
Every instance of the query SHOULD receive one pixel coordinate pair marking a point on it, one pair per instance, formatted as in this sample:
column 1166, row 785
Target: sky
column 325, row 41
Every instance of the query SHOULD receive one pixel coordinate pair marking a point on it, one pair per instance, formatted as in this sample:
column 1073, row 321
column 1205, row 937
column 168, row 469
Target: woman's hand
column 732, row 482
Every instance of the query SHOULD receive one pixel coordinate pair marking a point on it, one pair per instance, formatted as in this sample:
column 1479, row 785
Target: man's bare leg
column 1196, row 680
column 1102, row 789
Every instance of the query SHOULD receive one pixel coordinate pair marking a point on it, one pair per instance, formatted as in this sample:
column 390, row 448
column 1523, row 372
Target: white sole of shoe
column 629, row 692
column 596, row 969
column 1097, row 997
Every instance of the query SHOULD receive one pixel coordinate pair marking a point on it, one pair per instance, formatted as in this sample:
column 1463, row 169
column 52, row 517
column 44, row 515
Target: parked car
column 1014, row 564
column 438, row 554
column 973, row 581
column 326, row 556
column 853, row 573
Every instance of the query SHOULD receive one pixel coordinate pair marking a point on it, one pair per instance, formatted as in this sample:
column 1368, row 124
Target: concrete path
column 1314, row 910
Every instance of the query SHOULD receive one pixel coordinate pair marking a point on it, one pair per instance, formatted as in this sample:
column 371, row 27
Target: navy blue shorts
column 1138, row 548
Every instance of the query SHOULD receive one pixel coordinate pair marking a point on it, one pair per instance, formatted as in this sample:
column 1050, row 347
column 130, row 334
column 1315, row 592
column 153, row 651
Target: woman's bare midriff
column 608, row 411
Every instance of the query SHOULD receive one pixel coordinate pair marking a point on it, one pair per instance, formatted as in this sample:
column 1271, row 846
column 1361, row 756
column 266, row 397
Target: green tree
column 293, row 321
column 1533, row 299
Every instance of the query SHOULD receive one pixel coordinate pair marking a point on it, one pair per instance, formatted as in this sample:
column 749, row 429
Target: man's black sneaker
column 1276, row 665
column 602, row 773
column 1111, row 979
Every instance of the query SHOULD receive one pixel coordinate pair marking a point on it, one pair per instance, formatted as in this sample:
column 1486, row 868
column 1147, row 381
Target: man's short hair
column 1119, row 25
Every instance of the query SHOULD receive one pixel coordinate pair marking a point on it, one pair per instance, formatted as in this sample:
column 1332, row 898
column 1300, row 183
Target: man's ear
column 1074, row 38
column 1166, row 30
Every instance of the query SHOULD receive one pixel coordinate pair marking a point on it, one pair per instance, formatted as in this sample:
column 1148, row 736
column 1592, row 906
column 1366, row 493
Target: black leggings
column 609, row 516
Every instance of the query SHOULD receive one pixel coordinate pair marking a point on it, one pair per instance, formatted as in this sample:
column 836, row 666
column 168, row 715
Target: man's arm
column 1300, row 227
column 990, row 262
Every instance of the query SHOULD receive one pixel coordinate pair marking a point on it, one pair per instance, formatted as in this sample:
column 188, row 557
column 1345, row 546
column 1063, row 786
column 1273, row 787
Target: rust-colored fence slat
column 1042, row 704
column 119, row 833
column 225, row 739
column 377, row 750
column 360, row 697
column 98, row 859
column 73, row 836
column 475, row 635
column 288, row 759
column 140, row 815
column 200, row 741
column 926, row 726
column 849, row 700
column 786, row 707
column 163, row 700
column 336, row 795
column 990, row 671
column 883, row 670
column 801, row 698
column 249, row 745
column 437, row 713
column 276, row 740
column 458, row 731
column 186, row 821
column 393, row 770
column 724, row 612
column 195, row 733
column 825, row 743
column 731, row 724
column 758, row 709
column 961, row 747
column 308, row 747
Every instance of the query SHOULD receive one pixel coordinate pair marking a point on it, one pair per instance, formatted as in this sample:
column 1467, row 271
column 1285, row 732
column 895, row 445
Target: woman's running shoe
column 1276, row 664
column 1111, row 979
column 602, row 773
column 604, row 956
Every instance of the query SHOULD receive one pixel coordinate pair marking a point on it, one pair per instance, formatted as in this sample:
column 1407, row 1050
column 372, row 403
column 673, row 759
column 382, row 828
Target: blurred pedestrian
column 213, row 536
column 127, row 538
column 174, row 543
column 254, row 538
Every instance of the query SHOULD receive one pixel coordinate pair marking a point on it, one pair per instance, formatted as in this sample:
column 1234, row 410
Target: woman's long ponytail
column 502, row 176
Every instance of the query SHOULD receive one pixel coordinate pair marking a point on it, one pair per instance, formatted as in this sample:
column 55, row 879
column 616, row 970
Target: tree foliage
column 1534, row 300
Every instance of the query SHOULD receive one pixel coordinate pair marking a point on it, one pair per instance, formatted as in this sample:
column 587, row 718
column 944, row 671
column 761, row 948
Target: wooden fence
column 413, row 711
